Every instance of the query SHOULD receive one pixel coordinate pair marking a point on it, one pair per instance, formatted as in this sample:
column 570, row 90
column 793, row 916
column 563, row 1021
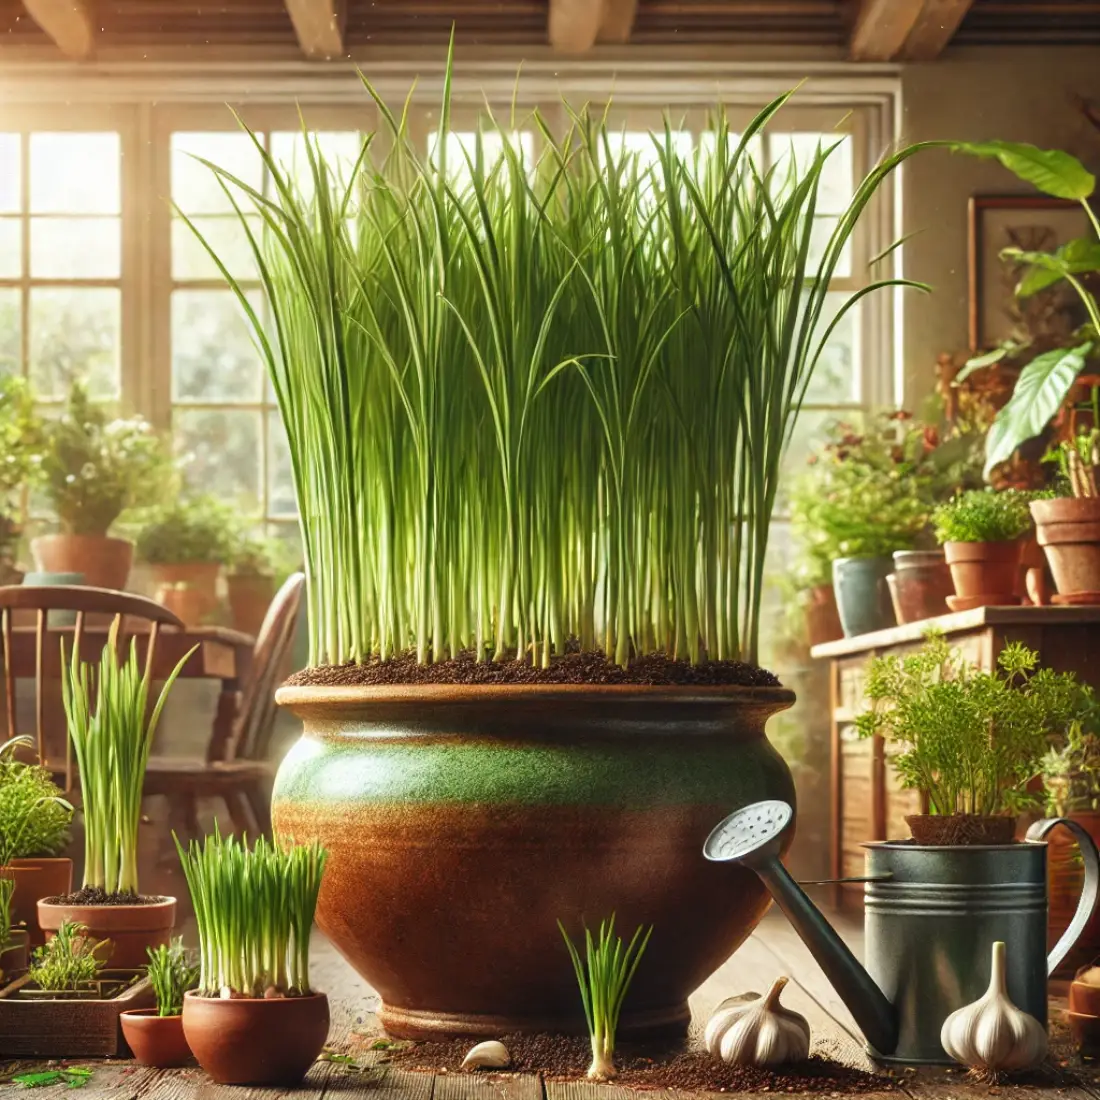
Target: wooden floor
column 773, row 950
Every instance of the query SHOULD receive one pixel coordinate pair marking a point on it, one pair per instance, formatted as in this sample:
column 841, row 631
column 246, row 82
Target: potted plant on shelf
column 20, row 442
column 34, row 832
column 520, row 514
column 155, row 1035
column 254, row 1020
column 93, row 467
column 111, row 728
column 981, row 532
column 252, row 580
column 186, row 542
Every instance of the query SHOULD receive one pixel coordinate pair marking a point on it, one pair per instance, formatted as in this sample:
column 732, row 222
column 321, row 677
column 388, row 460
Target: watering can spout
column 751, row 836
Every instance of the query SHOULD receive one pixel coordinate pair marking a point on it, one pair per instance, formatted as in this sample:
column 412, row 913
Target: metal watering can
column 931, row 916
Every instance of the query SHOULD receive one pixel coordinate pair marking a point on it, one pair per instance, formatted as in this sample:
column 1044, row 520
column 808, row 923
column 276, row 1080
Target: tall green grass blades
column 171, row 974
column 7, row 890
column 254, row 909
column 541, row 392
column 604, row 975
column 106, row 710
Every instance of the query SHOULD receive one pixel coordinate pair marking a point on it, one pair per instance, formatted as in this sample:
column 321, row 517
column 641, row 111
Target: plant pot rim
column 192, row 995
column 149, row 1014
column 162, row 902
column 34, row 861
column 68, row 535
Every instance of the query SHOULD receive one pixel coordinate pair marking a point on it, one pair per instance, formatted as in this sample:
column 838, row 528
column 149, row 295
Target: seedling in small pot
column 172, row 973
column 70, row 962
column 604, row 976
column 155, row 1035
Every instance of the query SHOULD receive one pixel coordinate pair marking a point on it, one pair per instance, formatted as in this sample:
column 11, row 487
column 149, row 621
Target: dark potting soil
column 652, row 670
column 567, row 1057
column 96, row 895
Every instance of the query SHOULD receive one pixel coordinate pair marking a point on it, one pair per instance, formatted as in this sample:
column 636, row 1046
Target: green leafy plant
column 112, row 730
column 73, row 1077
column 69, row 961
column 480, row 365
column 252, row 555
column 172, row 974
column 254, row 910
column 1046, row 381
column 983, row 515
column 195, row 528
column 94, row 466
column 604, row 976
column 1078, row 460
column 34, row 817
column 972, row 740
column 20, row 446
column 7, row 891
column 1071, row 769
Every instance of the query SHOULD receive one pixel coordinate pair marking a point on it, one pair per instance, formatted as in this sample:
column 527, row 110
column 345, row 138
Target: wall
column 1017, row 94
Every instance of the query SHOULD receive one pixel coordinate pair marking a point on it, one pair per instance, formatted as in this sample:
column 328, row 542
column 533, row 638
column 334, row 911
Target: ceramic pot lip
column 148, row 1014
column 909, row 846
column 123, row 917
column 193, row 996
column 62, row 535
column 30, row 862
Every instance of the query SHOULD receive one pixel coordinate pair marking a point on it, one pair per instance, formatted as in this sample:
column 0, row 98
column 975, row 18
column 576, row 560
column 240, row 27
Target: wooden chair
column 44, row 665
column 240, row 774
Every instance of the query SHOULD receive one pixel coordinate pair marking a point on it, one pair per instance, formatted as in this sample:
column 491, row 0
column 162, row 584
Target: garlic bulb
column 1091, row 976
column 490, row 1055
column 758, row 1031
column 992, row 1034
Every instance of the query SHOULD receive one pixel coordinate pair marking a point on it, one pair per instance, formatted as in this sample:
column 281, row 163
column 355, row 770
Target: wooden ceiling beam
column 572, row 25
column 68, row 22
column 319, row 25
column 881, row 28
column 935, row 27
column 618, row 20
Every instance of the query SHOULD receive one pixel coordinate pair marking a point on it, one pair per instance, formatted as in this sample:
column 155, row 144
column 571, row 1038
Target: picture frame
column 995, row 222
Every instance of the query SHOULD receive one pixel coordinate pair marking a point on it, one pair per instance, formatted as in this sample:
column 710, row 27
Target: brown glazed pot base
column 955, row 830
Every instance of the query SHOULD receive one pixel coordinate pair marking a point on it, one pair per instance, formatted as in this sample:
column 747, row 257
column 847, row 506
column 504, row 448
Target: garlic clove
column 723, row 1017
column 488, row 1055
column 992, row 1035
column 758, row 1031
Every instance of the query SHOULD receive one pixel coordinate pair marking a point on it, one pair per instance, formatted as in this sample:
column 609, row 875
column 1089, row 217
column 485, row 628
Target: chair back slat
column 9, row 671
column 39, row 685
column 252, row 733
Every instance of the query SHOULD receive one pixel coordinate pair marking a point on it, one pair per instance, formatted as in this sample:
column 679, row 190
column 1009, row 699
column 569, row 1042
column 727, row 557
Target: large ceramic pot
column 862, row 595
column 105, row 562
column 1068, row 530
column 463, row 823
column 985, row 574
column 35, row 879
column 920, row 585
column 130, row 928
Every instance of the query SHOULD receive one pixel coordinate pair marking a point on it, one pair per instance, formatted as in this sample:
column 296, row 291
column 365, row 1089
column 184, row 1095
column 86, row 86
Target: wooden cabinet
column 867, row 801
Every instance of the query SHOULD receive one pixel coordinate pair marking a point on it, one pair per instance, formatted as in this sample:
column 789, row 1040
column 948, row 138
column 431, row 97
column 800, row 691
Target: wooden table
column 867, row 802
column 220, row 654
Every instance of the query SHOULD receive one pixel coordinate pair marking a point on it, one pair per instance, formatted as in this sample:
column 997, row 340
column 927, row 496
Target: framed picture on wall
column 1035, row 223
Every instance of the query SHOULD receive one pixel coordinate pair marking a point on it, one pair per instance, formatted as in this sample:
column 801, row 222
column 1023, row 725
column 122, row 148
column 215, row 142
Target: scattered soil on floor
column 96, row 895
column 653, row 670
column 564, row 1057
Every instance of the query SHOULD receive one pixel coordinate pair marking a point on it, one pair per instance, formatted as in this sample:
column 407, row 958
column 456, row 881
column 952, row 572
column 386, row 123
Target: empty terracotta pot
column 36, row 879
column 255, row 1041
column 1068, row 530
column 921, row 584
column 197, row 585
column 249, row 598
column 985, row 574
column 130, row 928
column 155, row 1040
column 1083, row 996
column 105, row 562
column 822, row 618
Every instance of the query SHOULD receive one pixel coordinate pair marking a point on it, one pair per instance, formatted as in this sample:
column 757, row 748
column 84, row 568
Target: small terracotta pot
column 1068, row 530
column 250, row 596
column 958, row 830
column 36, row 879
column 201, row 589
column 130, row 928
column 1086, row 1031
column 105, row 562
column 920, row 586
column 255, row 1041
column 155, row 1040
column 1084, row 998
column 14, row 955
column 822, row 618
column 985, row 574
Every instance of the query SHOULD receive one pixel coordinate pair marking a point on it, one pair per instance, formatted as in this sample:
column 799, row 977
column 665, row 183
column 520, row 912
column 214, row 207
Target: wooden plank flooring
column 773, row 950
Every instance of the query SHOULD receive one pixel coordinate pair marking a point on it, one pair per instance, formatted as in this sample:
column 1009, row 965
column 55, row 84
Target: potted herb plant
column 34, row 832
column 254, row 1020
column 186, row 542
column 93, row 467
column 528, row 586
column 111, row 728
column 971, row 741
column 981, row 531
column 20, row 441
column 155, row 1035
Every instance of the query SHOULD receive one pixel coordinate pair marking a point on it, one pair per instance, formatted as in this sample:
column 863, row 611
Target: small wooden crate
column 33, row 1028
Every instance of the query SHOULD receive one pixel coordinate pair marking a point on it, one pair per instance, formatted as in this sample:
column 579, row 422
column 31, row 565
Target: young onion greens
column 254, row 910
column 604, row 976
column 171, row 974
column 106, row 711
column 531, row 401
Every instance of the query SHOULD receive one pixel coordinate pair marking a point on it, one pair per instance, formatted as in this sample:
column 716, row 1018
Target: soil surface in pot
column 567, row 1057
column 654, row 669
column 96, row 895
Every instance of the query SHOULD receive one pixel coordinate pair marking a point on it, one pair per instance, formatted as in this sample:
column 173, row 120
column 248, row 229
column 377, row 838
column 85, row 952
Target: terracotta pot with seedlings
column 155, row 1035
column 111, row 728
column 34, row 831
column 533, row 684
column 93, row 467
column 980, row 532
column 254, row 1020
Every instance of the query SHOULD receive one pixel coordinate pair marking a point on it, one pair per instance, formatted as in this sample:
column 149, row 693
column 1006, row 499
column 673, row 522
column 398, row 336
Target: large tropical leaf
column 1044, row 269
column 1050, row 170
column 1040, row 390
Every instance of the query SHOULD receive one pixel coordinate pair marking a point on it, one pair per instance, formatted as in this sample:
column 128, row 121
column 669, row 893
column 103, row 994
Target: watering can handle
column 1089, row 890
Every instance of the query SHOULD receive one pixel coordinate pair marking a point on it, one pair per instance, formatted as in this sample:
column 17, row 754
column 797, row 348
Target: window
column 61, row 260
